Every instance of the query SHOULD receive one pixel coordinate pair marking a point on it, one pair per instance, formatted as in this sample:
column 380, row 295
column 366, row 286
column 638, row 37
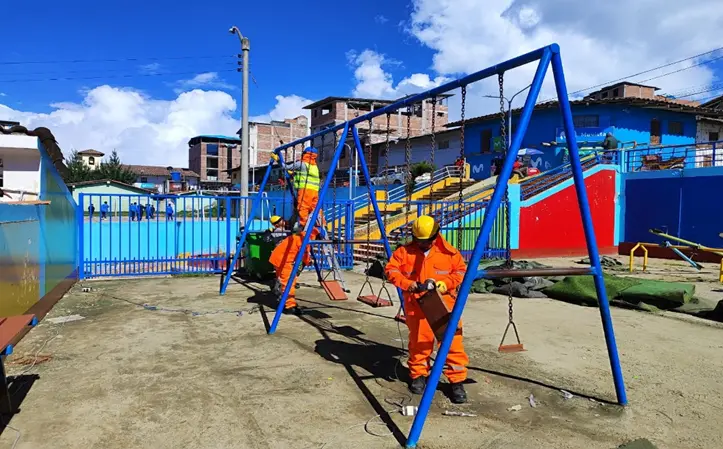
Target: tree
column 114, row 170
column 77, row 170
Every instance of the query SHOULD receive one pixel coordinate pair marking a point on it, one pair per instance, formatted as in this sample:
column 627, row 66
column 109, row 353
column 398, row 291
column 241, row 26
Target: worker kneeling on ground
column 429, row 257
column 282, row 258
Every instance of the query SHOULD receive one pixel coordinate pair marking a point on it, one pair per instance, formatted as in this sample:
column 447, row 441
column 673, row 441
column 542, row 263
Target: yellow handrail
column 645, row 256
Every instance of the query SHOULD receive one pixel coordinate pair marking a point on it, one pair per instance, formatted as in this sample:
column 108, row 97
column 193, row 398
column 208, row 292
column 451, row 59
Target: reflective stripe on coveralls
column 282, row 258
column 443, row 263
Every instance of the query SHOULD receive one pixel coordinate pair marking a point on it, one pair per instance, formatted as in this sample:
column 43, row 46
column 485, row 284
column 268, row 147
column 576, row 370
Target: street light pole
column 509, row 112
column 245, row 47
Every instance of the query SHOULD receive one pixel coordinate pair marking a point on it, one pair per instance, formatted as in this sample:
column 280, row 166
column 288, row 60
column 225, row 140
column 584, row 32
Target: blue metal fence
column 459, row 221
column 697, row 155
column 140, row 235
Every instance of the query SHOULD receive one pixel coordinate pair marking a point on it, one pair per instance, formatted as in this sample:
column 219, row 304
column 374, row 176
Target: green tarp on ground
column 643, row 294
column 623, row 291
column 641, row 443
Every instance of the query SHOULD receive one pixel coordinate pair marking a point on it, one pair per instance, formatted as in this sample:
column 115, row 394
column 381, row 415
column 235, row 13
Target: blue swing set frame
column 547, row 56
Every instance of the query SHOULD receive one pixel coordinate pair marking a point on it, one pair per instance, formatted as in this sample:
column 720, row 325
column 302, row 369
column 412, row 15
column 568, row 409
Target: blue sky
column 303, row 52
column 280, row 33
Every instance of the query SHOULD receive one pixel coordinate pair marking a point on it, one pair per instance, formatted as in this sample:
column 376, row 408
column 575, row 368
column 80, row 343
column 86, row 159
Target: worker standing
column 307, row 182
column 429, row 257
column 282, row 258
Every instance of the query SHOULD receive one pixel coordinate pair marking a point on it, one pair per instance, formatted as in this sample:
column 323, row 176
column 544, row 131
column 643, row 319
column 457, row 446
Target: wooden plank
column 10, row 327
column 334, row 290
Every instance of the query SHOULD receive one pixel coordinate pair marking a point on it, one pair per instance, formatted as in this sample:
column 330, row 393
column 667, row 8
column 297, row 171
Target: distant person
column 149, row 212
column 91, row 209
column 169, row 211
column 132, row 209
column 153, row 211
column 104, row 209
column 610, row 146
column 141, row 212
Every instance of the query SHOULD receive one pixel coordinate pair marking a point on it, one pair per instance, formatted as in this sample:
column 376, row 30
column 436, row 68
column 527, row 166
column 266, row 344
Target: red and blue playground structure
column 546, row 56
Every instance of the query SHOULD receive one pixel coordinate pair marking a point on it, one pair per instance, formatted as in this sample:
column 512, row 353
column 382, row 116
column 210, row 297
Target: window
column 211, row 175
column 604, row 95
column 316, row 112
column 440, row 114
column 713, row 136
column 586, row 121
column 616, row 93
column 675, row 128
column 485, row 141
column 212, row 149
column 91, row 160
column 212, row 162
column 443, row 144
column 325, row 110
column 144, row 179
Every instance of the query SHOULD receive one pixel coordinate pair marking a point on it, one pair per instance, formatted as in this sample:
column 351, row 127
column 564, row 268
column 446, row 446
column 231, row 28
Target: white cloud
column 598, row 43
column 373, row 81
column 150, row 69
column 144, row 130
column 3, row 94
column 209, row 80
column 290, row 106
column 380, row 19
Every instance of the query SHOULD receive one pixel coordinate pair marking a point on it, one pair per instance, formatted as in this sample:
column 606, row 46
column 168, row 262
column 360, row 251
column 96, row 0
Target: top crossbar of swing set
column 547, row 56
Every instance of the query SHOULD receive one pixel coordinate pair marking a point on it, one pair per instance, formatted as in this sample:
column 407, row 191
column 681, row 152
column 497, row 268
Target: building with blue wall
column 633, row 121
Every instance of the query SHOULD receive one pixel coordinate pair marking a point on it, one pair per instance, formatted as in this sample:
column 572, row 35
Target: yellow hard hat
column 425, row 228
column 274, row 219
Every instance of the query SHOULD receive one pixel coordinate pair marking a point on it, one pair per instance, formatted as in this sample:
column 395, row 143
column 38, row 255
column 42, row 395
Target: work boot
column 458, row 395
column 296, row 311
column 416, row 386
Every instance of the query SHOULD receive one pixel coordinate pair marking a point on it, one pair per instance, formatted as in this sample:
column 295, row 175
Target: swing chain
column 408, row 166
column 460, row 232
column 503, row 137
column 434, row 146
column 386, row 169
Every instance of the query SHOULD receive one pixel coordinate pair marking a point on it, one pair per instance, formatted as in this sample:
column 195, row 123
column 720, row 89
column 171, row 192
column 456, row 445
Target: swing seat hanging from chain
column 518, row 347
column 375, row 300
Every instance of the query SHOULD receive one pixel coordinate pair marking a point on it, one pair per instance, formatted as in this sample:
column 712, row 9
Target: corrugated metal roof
column 154, row 170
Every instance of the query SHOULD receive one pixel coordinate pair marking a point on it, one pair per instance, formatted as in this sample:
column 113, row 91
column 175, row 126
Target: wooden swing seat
column 334, row 290
column 511, row 348
column 374, row 301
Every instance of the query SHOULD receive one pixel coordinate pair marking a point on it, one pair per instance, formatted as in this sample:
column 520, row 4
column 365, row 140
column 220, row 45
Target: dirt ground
column 126, row 376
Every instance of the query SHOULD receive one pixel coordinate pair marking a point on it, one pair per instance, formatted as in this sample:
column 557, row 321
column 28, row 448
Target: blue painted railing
column 697, row 155
column 194, row 236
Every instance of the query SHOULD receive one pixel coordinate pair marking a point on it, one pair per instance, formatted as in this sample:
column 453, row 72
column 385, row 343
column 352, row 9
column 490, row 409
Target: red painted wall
column 553, row 227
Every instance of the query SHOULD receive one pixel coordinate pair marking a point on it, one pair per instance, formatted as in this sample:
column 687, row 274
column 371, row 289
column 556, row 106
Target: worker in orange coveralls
column 282, row 258
column 307, row 182
column 429, row 257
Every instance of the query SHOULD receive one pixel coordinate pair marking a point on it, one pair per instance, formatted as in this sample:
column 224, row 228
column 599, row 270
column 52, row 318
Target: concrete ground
column 129, row 377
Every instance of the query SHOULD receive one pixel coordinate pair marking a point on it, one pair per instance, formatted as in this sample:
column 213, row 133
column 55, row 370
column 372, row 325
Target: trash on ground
column 533, row 404
column 453, row 413
column 515, row 408
column 65, row 319
column 567, row 394
column 409, row 410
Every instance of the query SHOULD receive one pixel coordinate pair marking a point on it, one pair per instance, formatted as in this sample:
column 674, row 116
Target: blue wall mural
column 627, row 123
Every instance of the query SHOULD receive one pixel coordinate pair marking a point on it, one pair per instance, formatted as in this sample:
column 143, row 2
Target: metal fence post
column 81, row 235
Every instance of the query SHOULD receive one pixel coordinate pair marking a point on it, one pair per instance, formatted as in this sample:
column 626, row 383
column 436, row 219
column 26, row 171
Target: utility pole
column 244, row 69
column 509, row 112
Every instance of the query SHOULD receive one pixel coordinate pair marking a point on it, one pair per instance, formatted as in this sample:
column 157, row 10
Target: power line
column 76, row 61
column 55, row 72
column 195, row 72
column 647, row 71
column 683, row 69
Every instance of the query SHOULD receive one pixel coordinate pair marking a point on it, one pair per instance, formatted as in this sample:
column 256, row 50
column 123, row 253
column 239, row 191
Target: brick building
column 211, row 157
column 264, row 137
column 626, row 89
column 332, row 111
